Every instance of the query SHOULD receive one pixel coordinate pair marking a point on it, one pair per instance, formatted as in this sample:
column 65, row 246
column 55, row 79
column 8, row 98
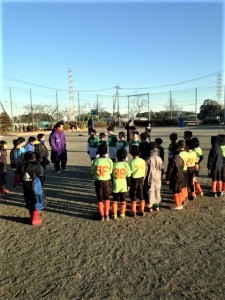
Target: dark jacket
column 215, row 157
column 42, row 153
column 175, row 174
column 32, row 177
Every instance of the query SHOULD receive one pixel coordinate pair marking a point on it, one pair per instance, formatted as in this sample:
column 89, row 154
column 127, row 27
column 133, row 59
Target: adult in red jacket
column 57, row 143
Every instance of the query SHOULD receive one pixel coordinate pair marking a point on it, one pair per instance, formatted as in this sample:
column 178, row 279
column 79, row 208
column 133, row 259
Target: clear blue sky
column 137, row 45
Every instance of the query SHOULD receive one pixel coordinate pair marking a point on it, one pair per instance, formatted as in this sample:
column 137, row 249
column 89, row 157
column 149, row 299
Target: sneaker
column 107, row 218
column 213, row 195
column 176, row 207
column 185, row 201
column 141, row 213
column 219, row 194
column 102, row 219
column 156, row 208
column 122, row 216
column 114, row 217
column 4, row 191
column 133, row 215
column 58, row 172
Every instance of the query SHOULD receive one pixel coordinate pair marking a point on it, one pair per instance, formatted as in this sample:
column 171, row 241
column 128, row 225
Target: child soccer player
column 152, row 181
column 198, row 151
column 102, row 140
column 16, row 161
column 102, row 169
column 173, row 140
column 187, row 135
column 121, row 183
column 41, row 150
column 215, row 165
column 223, row 169
column 135, row 139
column 144, row 146
column 3, row 162
column 112, row 142
column 33, row 173
column 92, row 144
column 30, row 144
column 191, row 167
column 158, row 142
column 137, row 166
column 175, row 177
column 22, row 144
column 184, row 155
column 122, row 143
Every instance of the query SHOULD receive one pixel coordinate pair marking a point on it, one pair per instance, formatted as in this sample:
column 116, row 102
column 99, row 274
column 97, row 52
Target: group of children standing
column 28, row 161
column 141, row 176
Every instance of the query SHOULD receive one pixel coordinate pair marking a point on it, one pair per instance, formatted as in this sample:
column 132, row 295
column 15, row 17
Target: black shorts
column 102, row 189
column 119, row 197
column 136, row 189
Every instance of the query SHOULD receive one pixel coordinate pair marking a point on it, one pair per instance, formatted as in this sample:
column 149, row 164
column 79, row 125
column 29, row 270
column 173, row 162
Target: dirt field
column 166, row 255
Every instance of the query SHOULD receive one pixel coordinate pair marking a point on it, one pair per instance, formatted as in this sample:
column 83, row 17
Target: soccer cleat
column 176, row 207
column 133, row 215
column 141, row 213
column 4, row 191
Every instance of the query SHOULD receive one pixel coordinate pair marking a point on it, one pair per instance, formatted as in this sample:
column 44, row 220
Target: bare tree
column 172, row 107
column 138, row 103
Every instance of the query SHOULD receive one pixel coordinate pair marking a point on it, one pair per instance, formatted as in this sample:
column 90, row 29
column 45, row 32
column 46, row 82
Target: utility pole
column 32, row 113
column 196, row 103
column 71, row 97
column 78, row 99
column 170, row 105
column 57, row 106
column 10, row 94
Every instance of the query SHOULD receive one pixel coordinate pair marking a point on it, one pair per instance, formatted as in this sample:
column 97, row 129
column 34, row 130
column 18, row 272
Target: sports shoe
column 141, row 213
column 133, row 215
column 213, row 195
column 176, row 207
column 122, row 216
column 4, row 191
column 114, row 217
column 58, row 172
column 219, row 194
column 102, row 219
column 185, row 201
column 107, row 218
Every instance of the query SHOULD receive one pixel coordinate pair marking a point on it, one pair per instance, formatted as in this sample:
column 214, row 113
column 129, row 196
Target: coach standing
column 57, row 143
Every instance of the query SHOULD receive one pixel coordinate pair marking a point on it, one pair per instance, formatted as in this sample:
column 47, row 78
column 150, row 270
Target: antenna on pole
column 71, row 97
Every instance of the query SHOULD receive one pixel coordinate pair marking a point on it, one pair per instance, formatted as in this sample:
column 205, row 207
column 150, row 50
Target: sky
column 161, row 49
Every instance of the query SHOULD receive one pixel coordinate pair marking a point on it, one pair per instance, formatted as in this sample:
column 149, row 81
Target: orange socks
column 122, row 209
column 101, row 209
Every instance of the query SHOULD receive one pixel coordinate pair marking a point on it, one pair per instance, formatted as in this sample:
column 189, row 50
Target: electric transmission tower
column 117, row 104
column 71, row 97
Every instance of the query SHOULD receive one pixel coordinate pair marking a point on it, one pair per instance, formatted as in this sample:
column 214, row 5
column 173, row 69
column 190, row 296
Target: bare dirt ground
column 166, row 255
